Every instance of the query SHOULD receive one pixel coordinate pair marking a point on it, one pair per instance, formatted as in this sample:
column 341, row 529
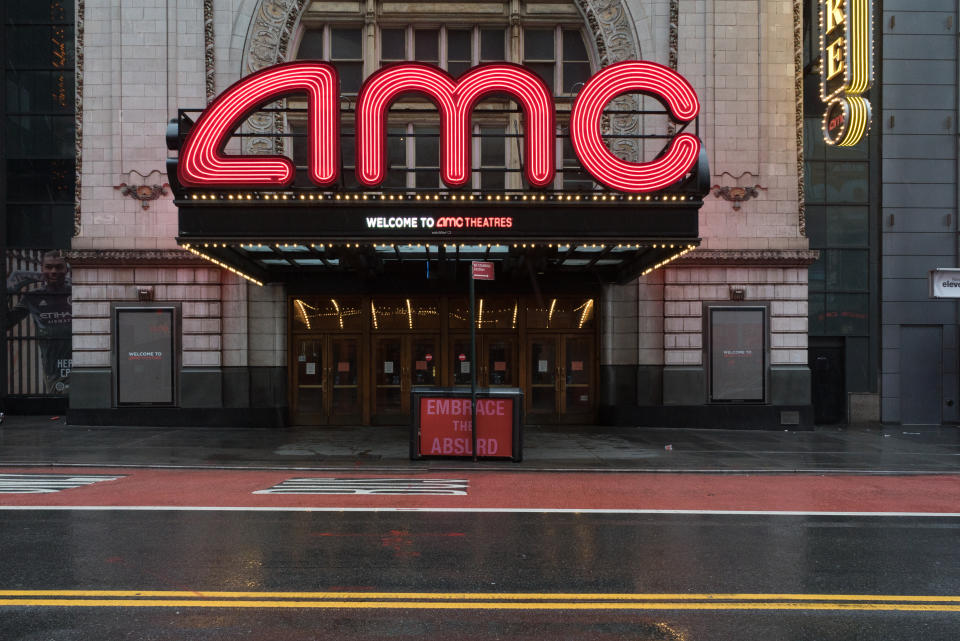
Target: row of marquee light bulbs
column 453, row 197
column 445, row 245
column 253, row 280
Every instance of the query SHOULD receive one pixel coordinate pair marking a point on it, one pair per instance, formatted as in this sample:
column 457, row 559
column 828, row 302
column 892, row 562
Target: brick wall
column 196, row 288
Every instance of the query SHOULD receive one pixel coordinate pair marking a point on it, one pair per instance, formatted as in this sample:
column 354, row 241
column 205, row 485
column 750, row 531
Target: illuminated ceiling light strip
column 336, row 306
column 202, row 163
column 553, row 305
column 373, row 314
column 409, row 315
column 662, row 83
column 667, row 260
column 225, row 266
column 585, row 314
column 455, row 100
column 303, row 312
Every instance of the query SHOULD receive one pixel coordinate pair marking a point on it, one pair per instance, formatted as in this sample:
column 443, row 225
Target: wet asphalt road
column 435, row 553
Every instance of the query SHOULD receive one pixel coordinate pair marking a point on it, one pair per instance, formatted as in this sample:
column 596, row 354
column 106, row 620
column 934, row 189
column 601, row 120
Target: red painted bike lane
column 506, row 491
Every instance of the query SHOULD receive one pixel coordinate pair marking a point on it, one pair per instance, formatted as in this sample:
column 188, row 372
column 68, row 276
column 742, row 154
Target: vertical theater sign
column 846, row 69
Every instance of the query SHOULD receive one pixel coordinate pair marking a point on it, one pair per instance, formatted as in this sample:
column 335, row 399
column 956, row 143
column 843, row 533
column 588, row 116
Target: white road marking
column 47, row 483
column 474, row 510
column 370, row 486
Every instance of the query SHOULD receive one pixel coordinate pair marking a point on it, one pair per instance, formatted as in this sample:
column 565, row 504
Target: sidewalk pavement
column 49, row 441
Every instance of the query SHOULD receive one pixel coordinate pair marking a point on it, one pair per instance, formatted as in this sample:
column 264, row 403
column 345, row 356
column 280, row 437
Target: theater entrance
column 561, row 379
column 327, row 389
column 356, row 359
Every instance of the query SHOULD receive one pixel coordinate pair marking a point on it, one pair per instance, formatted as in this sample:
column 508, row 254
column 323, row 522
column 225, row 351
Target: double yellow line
column 474, row 600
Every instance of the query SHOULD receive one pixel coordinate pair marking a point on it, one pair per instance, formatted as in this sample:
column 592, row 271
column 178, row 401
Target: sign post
column 479, row 270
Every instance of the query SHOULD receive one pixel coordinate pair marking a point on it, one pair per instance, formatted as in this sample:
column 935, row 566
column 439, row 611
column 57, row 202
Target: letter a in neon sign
column 202, row 161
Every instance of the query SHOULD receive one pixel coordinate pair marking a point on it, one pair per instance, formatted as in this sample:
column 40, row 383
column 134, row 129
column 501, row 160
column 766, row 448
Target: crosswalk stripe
column 47, row 483
column 370, row 486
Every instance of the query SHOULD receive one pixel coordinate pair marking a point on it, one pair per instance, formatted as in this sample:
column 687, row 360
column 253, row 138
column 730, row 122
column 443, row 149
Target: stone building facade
column 143, row 60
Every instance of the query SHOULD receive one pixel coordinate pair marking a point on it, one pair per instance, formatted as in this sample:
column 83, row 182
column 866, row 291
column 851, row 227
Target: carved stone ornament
column 273, row 26
column 737, row 195
column 743, row 257
column 78, row 115
column 143, row 193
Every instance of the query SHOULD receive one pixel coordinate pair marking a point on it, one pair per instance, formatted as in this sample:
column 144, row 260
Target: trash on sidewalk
column 669, row 448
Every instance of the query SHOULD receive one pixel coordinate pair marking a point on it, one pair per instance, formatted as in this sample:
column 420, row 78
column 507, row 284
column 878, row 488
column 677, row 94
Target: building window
column 38, row 154
column 455, row 49
column 558, row 53
column 340, row 45
column 837, row 209
column 571, row 71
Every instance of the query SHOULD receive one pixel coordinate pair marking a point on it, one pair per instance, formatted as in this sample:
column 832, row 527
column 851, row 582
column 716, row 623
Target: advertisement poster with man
column 40, row 312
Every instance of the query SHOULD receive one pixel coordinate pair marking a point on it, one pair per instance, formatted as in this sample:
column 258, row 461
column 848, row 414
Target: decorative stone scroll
column 268, row 41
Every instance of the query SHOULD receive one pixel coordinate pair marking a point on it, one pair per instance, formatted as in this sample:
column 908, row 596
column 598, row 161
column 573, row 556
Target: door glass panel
column 423, row 352
column 543, row 364
column 309, row 376
column 401, row 314
column 496, row 313
column 388, row 363
column 500, row 362
column 560, row 313
column 312, row 313
column 343, row 368
column 460, row 362
column 578, row 364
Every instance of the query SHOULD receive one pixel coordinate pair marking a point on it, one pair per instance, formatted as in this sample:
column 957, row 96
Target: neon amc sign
column 203, row 162
column 846, row 69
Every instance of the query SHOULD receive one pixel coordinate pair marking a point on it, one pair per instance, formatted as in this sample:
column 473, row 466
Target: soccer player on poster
column 51, row 307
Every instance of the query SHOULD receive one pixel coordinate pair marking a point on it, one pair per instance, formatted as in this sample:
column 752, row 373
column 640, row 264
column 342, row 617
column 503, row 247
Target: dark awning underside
column 276, row 237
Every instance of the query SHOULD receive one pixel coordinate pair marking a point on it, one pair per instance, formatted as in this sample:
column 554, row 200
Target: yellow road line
column 480, row 596
column 482, row 605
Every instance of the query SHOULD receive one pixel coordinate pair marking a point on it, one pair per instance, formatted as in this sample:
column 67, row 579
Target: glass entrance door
column 497, row 356
column 542, row 372
column 344, row 372
column 400, row 362
column 308, row 387
column 388, row 362
column 578, row 384
column 326, row 381
column 561, row 375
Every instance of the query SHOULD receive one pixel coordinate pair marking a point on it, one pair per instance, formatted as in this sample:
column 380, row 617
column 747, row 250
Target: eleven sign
column 846, row 69
column 203, row 163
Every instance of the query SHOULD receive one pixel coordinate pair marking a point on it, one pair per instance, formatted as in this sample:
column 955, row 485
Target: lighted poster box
column 738, row 353
column 146, row 355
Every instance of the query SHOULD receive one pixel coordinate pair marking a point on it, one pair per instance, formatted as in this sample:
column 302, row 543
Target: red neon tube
column 650, row 78
column 455, row 100
column 202, row 159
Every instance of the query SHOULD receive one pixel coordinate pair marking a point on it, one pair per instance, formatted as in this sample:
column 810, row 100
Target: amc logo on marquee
column 203, row 162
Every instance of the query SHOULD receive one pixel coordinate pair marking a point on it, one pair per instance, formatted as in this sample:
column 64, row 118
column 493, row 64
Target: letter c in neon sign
column 655, row 80
column 202, row 161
